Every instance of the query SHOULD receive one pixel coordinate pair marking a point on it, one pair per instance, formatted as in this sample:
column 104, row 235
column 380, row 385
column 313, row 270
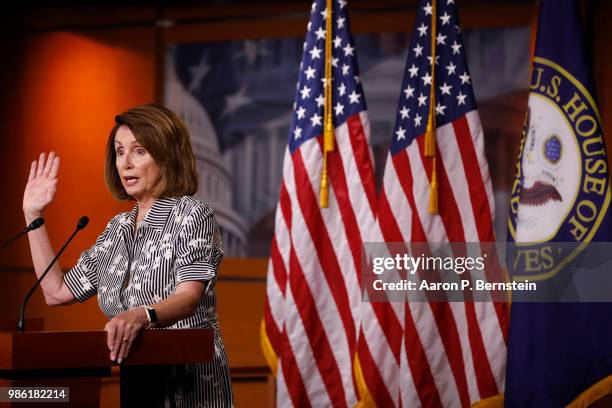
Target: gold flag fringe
column 430, row 131
column 328, row 125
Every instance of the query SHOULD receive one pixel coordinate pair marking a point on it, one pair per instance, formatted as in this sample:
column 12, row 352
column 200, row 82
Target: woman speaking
column 154, row 266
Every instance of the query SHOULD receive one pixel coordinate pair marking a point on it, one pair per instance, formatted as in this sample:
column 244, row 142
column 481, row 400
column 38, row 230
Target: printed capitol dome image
column 550, row 181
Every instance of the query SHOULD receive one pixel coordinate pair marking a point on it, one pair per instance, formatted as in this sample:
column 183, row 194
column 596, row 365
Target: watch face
column 151, row 315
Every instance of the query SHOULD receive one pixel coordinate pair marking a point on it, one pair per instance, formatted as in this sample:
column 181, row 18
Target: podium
column 79, row 360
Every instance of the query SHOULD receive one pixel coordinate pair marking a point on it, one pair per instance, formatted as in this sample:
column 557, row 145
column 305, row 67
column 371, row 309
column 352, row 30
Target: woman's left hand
column 122, row 330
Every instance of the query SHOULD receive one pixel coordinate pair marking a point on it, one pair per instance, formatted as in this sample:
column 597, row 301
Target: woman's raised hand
column 42, row 183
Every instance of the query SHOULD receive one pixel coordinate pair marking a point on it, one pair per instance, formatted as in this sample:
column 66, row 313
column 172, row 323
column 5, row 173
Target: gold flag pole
column 328, row 125
column 430, row 132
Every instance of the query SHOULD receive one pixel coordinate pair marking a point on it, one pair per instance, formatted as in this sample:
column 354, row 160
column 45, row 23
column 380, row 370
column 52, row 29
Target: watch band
column 151, row 316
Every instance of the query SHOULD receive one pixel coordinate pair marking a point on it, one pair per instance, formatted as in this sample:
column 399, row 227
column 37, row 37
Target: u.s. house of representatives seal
column 561, row 190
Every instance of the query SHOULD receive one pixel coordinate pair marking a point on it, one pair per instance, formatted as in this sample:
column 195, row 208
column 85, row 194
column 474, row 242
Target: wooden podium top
column 83, row 349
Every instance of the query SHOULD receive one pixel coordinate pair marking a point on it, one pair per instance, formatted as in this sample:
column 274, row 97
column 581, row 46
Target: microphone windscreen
column 83, row 221
column 37, row 223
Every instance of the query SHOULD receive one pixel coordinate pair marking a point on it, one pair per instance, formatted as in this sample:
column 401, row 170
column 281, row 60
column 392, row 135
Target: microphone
column 83, row 221
column 37, row 223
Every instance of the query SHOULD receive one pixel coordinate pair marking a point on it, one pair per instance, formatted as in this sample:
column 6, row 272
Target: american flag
column 311, row 316
column 435, row 354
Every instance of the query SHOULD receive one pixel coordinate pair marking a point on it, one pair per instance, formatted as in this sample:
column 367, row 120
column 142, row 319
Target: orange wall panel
column 68, row 88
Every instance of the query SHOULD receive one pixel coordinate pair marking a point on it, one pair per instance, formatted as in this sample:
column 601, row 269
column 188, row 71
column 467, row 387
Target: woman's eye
column 119, row 152
column 140, row 152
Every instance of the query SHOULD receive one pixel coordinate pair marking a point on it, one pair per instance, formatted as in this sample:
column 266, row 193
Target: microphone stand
column 37, row 223
column 21, row 324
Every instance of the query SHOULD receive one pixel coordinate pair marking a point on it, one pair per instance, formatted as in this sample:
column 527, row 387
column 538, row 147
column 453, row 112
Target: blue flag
column 559, row 351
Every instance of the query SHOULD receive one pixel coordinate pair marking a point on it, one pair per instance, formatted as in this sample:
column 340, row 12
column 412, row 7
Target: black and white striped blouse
column 177, row 241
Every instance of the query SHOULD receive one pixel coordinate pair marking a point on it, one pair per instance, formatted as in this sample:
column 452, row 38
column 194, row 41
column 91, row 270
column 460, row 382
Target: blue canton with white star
column 454, row 94
column 347, row 92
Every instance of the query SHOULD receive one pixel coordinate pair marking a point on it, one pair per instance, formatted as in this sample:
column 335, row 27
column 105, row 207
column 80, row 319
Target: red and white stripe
column 450, row 354
column 312, row 312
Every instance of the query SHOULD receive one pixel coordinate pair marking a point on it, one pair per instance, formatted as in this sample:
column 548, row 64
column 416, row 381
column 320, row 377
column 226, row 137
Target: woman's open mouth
column 539, row 194
column 130, row 180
